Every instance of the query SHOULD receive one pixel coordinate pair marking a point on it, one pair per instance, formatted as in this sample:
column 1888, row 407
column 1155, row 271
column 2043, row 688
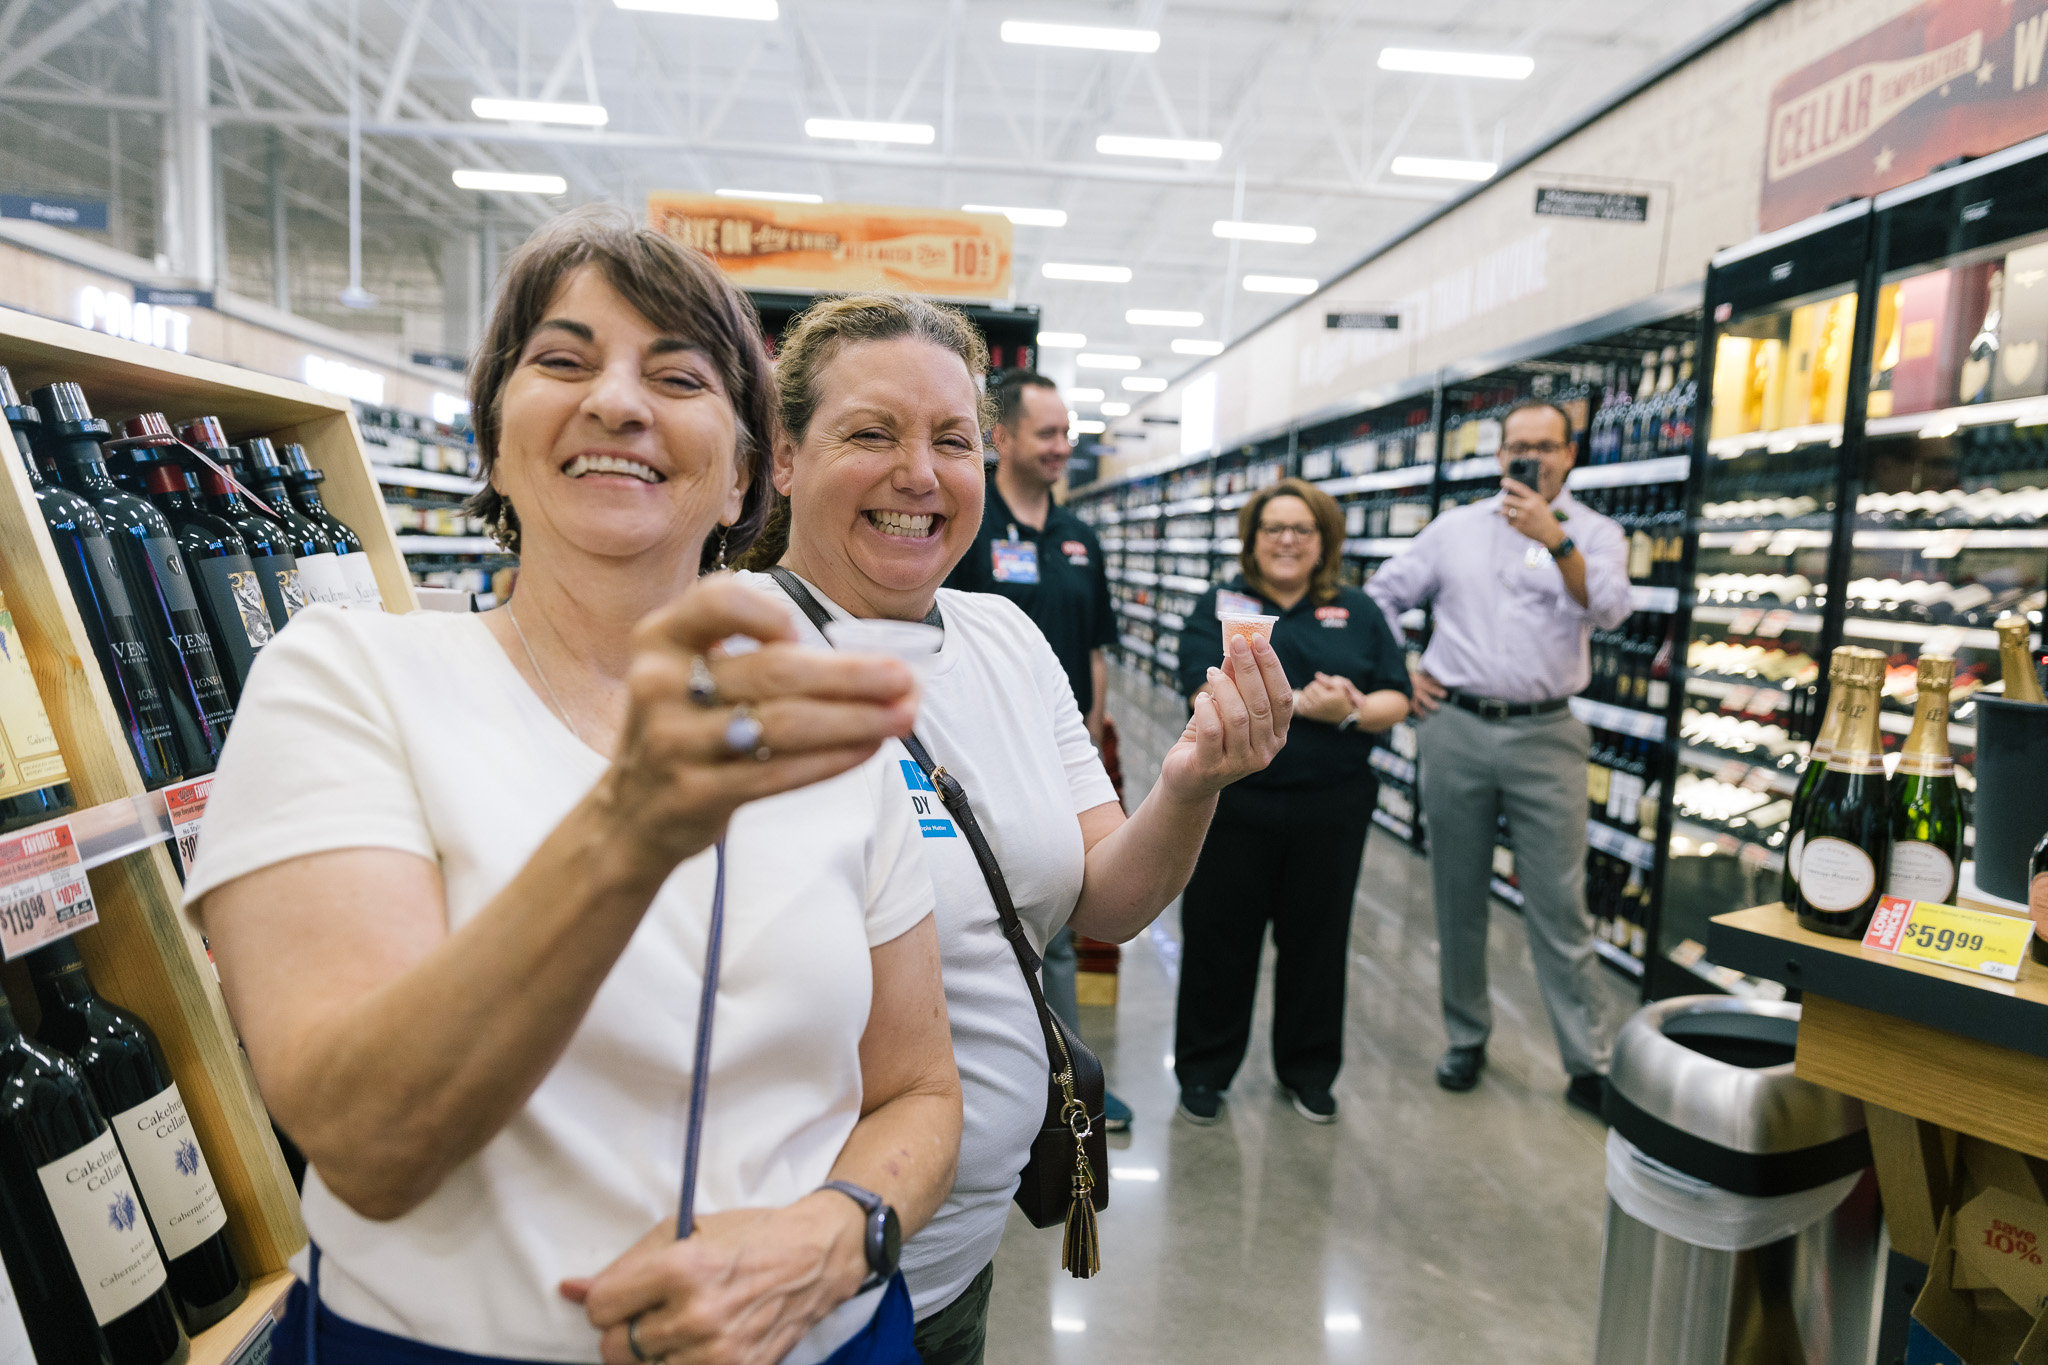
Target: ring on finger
column 703, row 686
column 743, row 734
column 633, row 1341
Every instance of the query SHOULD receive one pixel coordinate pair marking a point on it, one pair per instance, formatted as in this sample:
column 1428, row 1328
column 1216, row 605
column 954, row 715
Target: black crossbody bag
column 1064, row 1179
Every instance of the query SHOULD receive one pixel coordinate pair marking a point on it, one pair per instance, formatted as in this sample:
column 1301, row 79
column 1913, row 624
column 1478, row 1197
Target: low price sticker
column 186, row 802
column 1974, row 940
column 44, row 894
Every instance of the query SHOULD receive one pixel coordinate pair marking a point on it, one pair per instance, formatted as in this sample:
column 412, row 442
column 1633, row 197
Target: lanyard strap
column 700, row 1069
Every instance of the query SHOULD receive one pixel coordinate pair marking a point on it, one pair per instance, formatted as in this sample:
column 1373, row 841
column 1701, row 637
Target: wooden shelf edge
column 221, row 1343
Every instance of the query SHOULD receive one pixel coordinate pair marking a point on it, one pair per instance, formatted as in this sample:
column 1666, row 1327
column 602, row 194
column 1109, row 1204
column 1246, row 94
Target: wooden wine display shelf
column 223, row 1343
column 145, row 953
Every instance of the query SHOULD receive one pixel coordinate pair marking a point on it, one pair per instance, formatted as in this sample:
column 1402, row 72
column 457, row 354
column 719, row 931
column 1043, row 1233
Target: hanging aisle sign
column 838, row 247
column 1946, row 79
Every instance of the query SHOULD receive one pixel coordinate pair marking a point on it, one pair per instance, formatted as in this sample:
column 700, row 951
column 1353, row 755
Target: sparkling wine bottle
column 2016, row 660
column 1926, row 808
column 124, row 1068
column 1810, row 775
column 1847, row 858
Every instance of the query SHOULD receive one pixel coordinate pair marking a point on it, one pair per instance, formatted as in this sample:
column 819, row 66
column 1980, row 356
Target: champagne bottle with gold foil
column 2016, row 660
column 1845, row 864
column 1926, row 808
column 1816, row 764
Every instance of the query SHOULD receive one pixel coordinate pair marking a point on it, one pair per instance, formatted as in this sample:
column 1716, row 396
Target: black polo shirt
column 1055, row 574
column 1347, row 637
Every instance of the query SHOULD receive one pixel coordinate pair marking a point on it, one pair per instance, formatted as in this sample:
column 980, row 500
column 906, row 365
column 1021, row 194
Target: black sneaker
column 1200, row 1105
column 1460, row 1067
column 1317, row 1106
column 1588, row 1093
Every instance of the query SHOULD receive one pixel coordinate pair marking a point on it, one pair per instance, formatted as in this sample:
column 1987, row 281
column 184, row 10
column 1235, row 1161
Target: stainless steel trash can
column 1742, row 1216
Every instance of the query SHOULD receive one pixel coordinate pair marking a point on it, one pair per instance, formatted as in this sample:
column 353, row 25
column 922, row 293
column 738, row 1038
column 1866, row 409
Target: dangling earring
column 724, row 532
column 504, row 532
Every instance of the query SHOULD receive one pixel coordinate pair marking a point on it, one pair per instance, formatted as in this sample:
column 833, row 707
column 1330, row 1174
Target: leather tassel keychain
column 1081, row 1252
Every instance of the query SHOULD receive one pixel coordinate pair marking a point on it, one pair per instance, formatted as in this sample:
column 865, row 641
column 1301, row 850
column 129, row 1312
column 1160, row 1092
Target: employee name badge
column 1016, row 561
column 1980, row 941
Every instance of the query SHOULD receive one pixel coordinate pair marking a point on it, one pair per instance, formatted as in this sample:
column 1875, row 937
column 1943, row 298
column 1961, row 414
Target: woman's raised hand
column 1240, row 722
column 779, row 717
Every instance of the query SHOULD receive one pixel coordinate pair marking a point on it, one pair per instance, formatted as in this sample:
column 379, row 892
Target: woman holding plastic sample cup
column 1286, row 843
column 880, row 460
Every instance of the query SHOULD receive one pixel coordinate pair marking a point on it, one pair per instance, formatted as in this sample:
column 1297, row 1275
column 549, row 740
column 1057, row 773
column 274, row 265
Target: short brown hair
column 679, row 291
column 1322, row 584
column 828, row 327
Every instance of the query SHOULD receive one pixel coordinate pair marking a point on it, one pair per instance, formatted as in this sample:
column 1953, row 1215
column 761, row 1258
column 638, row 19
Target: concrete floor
column 1422, row 1226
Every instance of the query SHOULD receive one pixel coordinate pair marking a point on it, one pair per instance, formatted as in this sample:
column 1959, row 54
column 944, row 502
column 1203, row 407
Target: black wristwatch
column 1564, row 547
column 884, row 1243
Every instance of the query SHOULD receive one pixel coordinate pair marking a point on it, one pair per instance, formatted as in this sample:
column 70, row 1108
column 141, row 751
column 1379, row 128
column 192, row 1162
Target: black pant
column 1290, row 857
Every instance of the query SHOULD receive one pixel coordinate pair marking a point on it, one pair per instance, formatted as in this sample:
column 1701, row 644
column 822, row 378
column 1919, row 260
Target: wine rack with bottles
column 145, row 953
column 428, row 470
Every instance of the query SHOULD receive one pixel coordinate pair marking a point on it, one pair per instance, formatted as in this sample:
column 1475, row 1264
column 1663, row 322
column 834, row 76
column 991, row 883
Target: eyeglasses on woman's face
column 1287, row 530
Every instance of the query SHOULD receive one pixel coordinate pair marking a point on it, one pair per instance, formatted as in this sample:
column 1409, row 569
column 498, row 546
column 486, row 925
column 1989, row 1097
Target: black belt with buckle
column 1486, row 708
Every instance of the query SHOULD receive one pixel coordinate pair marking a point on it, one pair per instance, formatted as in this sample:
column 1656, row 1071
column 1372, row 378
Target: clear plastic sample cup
column 1247, row 625
column 914, row 642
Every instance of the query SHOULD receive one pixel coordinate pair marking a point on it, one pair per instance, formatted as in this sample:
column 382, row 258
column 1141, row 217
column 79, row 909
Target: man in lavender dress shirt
column 1518, row 581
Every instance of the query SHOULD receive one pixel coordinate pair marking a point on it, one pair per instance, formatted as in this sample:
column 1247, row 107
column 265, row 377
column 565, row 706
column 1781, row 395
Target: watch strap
column 1564, row 547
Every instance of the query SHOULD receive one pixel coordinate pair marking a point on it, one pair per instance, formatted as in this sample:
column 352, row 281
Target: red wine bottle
column 124, row 1068
column 77, row 1247
column 105, row 602
column 305, row 483
column 270, row 547
column 151, row 561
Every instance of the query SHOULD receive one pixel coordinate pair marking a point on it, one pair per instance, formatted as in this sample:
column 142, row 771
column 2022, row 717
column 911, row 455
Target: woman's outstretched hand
column 1240, row 723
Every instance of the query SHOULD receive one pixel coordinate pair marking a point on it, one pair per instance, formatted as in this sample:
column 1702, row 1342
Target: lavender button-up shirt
column 1505, row 626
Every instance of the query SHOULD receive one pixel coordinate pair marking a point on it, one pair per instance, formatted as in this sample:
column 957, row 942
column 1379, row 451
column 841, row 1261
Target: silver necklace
column 539, row 673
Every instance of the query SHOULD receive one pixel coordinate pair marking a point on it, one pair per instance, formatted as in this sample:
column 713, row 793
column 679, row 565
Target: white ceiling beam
column 401, row 61
column 58, row 33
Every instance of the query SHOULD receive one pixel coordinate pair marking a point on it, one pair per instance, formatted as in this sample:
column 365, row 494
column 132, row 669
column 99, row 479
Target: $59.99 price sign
column 1974, row 940
column 44, row 894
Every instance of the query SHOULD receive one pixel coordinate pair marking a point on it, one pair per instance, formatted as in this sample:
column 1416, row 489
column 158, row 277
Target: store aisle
column 1422, row 1226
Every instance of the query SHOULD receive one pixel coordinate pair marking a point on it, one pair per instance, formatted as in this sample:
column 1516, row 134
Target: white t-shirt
column 998, row 714
column 416, row 732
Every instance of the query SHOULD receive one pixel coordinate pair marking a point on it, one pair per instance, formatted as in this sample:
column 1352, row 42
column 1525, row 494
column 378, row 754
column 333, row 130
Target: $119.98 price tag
column 1975, row 940
column 44, row 894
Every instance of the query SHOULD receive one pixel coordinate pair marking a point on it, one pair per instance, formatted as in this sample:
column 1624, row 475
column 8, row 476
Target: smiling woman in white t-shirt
column 880, row 458
column 459, row 873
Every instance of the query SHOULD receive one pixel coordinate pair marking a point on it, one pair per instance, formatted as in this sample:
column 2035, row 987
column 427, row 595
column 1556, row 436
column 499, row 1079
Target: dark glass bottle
column 270, row 545
column 1844, row 868
column 34, row 783
column 151, row 562
column 305, row 483
column 2037, row 900
column 78, row 1250
column 320, row 571
column 124, row 1068
column 105, row 602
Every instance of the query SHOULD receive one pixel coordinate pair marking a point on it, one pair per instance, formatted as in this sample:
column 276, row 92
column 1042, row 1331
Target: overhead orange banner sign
column 842, row 247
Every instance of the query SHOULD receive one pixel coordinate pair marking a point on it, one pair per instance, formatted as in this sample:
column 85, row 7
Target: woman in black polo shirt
column 1286, row 843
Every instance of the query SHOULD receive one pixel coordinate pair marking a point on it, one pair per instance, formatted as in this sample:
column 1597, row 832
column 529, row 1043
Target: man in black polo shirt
column 1046, row 560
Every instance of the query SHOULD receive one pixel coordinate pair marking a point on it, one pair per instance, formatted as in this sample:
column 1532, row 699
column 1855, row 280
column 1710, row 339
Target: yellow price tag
column 1974, row 940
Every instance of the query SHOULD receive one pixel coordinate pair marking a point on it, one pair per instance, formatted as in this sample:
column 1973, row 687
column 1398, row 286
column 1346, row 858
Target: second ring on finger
column 744, row 733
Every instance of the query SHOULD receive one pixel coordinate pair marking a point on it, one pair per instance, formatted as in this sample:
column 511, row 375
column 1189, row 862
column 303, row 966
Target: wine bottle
column 2016, row 660
column 1926, row 808
column 124, row 1068
column 2037, row 900
column 305, row 481
column 150, row 560
column 320, row 571
column 34, row 784
column 1810, row 775
column 277, row 568
column 104, row 602
column 85, row 1269
column 1846, row 862
column 1974, row 383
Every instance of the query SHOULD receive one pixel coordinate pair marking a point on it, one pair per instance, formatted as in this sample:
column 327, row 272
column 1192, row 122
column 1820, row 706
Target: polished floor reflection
column 1422, row 1226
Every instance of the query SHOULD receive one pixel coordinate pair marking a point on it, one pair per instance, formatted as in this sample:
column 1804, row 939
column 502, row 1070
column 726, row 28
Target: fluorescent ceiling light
column 1144, row 384
column 1083, row 395
column 1022, row 217
column 1190, row 346
column 1501, row 68
column 1097, row 361
column 778, row 196
column 1264, row 232
column 1070, row 1324
column 1062, row 341
column 1171, row 148
column 1280, row 284
column 707, row 9
column 539, row 111
column 1119, row 410
column 1342, row 1322
column 1161, row 317
column 1096, row 274
column 511, row 182
column 869, row 130
column 1081, row 35
column 1443, row 168
column 1086, row 427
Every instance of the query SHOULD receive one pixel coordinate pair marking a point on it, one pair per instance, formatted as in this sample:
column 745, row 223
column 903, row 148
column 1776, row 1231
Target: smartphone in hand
column 1527, row 471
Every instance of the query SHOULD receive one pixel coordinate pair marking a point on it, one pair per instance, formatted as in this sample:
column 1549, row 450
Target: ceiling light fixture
column 539, row 111
column 1170, row 148
column 1263, row 232
column 706, row 9
column 776, row 196
column 1116, row 410
column 1097, row 361
column 870, row 130
column 1094, row 274
column 1085, row 427
column 1081, row 35
column 511, row 182
column 1434, row 63
column 1083, row 395
column 1280, row 284
column 1062, row 341
column 1443, row 168
column 1022, row 217
column 1144, row 384
column 1161, row 317
column 1190, row 346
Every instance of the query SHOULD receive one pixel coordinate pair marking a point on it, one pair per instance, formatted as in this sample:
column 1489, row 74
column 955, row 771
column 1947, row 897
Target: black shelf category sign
column 1607, row 206
column 1362, row 322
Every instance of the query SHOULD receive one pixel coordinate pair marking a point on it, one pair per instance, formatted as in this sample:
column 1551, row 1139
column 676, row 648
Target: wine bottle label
column 228, row 582
column 170, row 1170
column 283, row 593
column 1926, row 765
column 323, row 580
column 104, row 1228
column 1921, row 872
column 28, row 746
column 1852, row 761
column 362, row 581
column 106, row 575
column 171, row 579
column 1792, row 854
column 1835, row 874
column 14, row 1347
